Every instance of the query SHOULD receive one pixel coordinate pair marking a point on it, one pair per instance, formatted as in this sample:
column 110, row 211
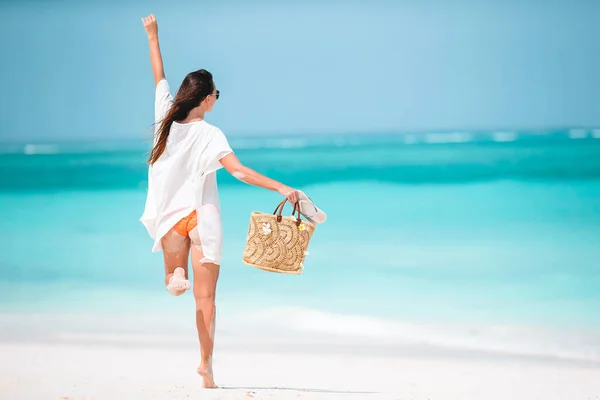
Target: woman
column 182, row 212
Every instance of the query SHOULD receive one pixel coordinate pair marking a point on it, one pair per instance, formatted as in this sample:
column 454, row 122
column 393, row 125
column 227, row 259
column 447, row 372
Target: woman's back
column 183, row 178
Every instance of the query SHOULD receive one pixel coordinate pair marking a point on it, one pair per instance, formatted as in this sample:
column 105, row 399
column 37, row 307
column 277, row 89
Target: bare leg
column 176, row 250
column 205, row 283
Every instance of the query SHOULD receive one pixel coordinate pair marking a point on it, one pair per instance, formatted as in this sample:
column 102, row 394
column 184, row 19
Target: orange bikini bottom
column 186, row 224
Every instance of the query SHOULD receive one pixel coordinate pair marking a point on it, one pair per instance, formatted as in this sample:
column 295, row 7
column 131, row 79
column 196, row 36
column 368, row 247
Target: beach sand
column 115, row 369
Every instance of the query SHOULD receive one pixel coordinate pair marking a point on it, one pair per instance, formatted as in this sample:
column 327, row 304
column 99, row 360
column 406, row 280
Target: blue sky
column 81, row 69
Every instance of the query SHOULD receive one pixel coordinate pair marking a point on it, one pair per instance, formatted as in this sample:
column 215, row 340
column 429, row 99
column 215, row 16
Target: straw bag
column 276, row 243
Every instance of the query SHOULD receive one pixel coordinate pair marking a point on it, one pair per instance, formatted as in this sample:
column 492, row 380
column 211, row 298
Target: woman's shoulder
column 205, row 127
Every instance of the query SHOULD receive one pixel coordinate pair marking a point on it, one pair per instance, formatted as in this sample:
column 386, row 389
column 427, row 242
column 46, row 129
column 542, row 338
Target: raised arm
column 233, row 165
column 151, row 27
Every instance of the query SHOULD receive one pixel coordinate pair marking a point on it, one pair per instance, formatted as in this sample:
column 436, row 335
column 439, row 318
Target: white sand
column 77, row 371
column 289, row 354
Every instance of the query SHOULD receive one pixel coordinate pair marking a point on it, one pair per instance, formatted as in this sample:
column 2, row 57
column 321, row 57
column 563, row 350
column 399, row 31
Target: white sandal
column 309, row 210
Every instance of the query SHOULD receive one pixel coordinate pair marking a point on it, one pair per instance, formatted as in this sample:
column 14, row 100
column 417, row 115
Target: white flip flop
column 309, row 210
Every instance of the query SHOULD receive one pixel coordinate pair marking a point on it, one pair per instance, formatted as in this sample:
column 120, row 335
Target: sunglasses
column 216, row 94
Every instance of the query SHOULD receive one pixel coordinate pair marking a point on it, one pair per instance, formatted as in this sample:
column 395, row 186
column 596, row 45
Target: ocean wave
column 515, row 340
column 401, row 159
column 40, row 149
column 306, row 328
column 578, row 133
column 314, row 141
column 504, row 136
column 453, row 137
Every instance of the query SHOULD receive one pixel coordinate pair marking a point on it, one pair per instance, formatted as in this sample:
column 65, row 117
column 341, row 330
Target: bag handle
column 296, row 211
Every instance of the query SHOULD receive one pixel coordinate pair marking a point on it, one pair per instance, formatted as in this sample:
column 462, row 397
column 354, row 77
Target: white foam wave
column 411, row 139
column 40, row 149
column 453, row 137
column 510, row 339
column 287, row 143
column 271, row 143
column 504, row 136
column 249, row 144
column 578, row 133
column 306, row 326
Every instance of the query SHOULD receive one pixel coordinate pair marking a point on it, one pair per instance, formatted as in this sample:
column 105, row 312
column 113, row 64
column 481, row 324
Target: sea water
column 495, row 232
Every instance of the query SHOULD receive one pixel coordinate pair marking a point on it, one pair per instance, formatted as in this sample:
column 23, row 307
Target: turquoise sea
column 468, row 238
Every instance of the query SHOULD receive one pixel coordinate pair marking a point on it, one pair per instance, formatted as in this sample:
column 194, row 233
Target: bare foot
column 207, row 377
column 178, row 284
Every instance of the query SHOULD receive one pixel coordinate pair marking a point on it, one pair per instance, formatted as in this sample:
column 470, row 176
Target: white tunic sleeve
column 162, row 101
column 217, row 148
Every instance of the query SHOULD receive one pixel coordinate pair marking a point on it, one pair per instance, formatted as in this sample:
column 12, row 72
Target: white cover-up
column 184, row 179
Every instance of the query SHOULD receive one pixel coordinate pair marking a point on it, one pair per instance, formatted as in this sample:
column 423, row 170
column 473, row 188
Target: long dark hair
column 195, row 87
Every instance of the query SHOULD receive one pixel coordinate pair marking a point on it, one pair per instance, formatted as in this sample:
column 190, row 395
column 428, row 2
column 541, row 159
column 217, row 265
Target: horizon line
column 296, row 134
